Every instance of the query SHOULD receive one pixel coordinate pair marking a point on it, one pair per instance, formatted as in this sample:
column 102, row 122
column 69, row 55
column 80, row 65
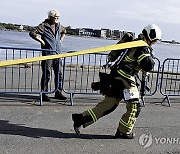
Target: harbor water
column 74, row 43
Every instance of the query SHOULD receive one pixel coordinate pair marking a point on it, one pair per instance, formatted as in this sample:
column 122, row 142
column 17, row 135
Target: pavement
column 27, row 128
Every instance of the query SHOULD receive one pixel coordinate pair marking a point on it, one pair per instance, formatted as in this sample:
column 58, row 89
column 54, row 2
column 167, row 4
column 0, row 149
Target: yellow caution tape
column 94, row 50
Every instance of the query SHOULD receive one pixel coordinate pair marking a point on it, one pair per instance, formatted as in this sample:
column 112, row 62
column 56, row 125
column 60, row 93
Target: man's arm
column 37, row 38
column 63, row 32
column 62, row 37
column 34, row 34
column 145, row 59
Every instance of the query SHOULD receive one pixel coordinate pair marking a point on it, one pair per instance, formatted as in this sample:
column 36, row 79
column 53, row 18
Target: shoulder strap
column 114, row 54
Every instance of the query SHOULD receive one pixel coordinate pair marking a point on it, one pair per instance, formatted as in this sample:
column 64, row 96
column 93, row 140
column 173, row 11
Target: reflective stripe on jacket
column 135, row 60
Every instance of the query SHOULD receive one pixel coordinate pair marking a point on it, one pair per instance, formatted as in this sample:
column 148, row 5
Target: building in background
column 101, row 33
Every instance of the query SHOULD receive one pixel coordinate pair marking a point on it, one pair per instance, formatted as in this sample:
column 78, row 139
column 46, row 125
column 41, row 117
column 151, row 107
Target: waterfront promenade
column 27, row 128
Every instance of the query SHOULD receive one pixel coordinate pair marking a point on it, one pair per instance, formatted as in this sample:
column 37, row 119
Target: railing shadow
column 24, row 99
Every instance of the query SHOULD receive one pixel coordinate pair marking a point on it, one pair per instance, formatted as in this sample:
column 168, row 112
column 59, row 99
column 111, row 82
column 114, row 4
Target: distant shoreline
column 162, row 41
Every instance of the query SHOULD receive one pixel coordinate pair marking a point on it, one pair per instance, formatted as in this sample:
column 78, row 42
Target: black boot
column 78, row 121
column 60, row 96
column 123, row 136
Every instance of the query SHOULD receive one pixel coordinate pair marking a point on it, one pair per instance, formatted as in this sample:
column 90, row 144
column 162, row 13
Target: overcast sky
column 129, row 15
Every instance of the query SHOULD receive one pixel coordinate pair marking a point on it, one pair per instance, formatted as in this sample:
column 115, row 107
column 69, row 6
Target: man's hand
column 43, row 43
column 37, row 38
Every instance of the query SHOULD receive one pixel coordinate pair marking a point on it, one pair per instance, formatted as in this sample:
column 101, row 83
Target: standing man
column 121, row 84
column 52, row 34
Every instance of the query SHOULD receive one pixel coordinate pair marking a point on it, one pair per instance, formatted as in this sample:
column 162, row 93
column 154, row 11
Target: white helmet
column 153, row 32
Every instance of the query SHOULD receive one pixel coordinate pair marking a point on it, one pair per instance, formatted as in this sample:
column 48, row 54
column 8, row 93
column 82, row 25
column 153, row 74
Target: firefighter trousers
column 108, row 105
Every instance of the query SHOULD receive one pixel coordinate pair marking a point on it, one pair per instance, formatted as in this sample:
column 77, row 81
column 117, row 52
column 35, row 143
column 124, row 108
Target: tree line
column 10, row 26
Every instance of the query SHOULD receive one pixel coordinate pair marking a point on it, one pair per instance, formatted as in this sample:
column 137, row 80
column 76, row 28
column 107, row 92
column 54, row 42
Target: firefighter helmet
column 152, row 32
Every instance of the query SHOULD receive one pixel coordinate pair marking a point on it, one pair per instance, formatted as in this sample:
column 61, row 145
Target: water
column 73, row 43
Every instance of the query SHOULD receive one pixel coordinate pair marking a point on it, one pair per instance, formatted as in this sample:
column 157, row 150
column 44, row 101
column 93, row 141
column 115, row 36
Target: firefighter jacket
column 135, row 59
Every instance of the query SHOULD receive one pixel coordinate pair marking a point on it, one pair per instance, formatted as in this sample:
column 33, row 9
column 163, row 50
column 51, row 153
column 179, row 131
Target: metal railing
column 80, row 71
column 170, row 78
column 23, row 78
column 78, row 74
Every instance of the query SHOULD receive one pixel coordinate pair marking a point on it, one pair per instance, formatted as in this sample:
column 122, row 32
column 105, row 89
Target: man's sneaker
column 60, row 96
column 45, row 98
column 77, row 118
column 123, row 136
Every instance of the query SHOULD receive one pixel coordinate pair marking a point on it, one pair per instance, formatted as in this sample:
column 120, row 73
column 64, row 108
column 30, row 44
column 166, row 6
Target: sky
column 129, row 15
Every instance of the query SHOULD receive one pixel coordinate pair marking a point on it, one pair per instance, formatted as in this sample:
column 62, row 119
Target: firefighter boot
column 78, row 121
column 123, row 136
